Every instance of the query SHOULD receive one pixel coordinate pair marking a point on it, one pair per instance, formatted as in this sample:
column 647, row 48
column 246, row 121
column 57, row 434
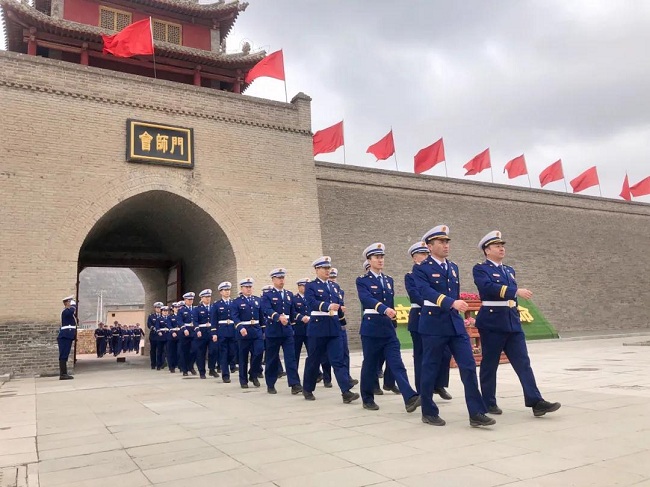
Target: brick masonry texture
column 584, row 258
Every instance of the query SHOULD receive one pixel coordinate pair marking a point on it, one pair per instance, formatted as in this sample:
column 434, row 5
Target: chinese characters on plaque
column 159, row 144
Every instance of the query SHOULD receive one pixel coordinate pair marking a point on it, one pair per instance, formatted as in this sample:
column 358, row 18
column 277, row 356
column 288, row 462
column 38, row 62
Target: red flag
column 516, row 167
column 329, row 139
column 480, row 162
column 384, row 148
column 271, row 66
column 586, row 180
column 429, row 157
column 625, row 192
column 641, row 188
column 133, row 40
column 552, row 173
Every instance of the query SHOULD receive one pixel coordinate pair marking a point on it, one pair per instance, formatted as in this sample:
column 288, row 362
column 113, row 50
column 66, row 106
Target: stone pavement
column 125, row 425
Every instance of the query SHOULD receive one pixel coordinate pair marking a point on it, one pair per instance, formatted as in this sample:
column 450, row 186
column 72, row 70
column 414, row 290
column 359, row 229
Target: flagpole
column 394, row 151
column 155, row 75
column 343, row 128
column 600, row 190
column 566, row 188
column 530, row 185
column 491, row 173
column 286, row 97
column 395, row 156
column 446, row 173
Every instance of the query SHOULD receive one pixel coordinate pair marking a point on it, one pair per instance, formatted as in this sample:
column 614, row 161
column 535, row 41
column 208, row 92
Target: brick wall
column 585, row 258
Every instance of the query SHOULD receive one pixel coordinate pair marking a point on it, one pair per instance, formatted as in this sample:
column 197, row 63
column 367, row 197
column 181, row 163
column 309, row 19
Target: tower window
column 167, row 32
column 110, row 18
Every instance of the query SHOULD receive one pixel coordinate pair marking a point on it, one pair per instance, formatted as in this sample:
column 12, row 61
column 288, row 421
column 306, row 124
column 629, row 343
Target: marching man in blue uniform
column 499, row 325
column 201, row 320
column 174, row 325
column 162, row 330
column 66, row 336
column 226, row 339
column 419, row 252
column 334, row 274
column 324, row 332
column 300, row 319
column 278, row 308
column 137, row 336
column 185, row 353
column 247, row 315
column 378, row 336
column 441, row 325
column 151, row 326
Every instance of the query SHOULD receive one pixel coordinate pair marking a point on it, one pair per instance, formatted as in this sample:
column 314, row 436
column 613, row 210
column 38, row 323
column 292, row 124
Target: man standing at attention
column 67, row 334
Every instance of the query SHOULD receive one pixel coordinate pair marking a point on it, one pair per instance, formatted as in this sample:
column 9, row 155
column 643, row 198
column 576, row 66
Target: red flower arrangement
column 470, row 297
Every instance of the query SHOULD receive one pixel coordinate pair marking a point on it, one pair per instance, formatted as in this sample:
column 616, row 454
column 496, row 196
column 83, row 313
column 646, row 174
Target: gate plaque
column 159, row 144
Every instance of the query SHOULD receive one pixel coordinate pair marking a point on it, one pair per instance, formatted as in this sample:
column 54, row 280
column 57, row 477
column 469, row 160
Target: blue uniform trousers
column 514, row 346
column 298, row 342
column 319, row 348
column 213, row 354
column 228, row 354
column 443, row 375
column 116, row 345
column 98, row 346
column 433, row 348
column 376, row 349
column 136, row 345
column 153, row 352
column 161, row 353
column 273, row 362
column 346, row 351
column 185, row 355
column 172, row 354
column 65, row 344
column 200, row 350
column 253, row 349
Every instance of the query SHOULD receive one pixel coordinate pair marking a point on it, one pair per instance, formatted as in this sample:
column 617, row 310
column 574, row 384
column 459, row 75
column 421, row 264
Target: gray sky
column 551, row 79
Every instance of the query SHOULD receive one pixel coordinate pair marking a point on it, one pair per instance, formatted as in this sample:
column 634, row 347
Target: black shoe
column 153, row 367
column 260, row 375
column 394, row 389
column 192, row 371
column 226, row 380
column 353, row 382
column 157, row 368
column 212, row 373
column 296, row 389
column 256, row 382
column 172, row 371
column 281, row 375
column 244, row 386
column 327, row 385
column 433, row 420
column 203, row 376
column 348, row 397
column 271, row 390
column 65, row 377
column 378, row 392
column 185, row 374
column 234, row 369
column 442, row 392
column 543, row 407
column 309, row 396
column 413, row 403
column 495, row 410
column 481, row 419
column 319, row 378
column 371, row 406
column 218, row 369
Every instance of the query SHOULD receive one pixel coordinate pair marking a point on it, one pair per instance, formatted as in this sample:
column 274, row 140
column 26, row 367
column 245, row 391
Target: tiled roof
column 29, row 16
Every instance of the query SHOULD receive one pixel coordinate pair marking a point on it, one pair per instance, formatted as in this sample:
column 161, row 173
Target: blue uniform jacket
column 137, row 333
column 151, row 324
column 375, row 300
column 201, row 316
column 68, row 323
column 173, row 323
column 322, row 323
column 439, row 290
column 185, row 315
column 246, row 313
column 301, row 310
column 161, row 328
column 222, row 319
column 273, row 305
column 416, row 299
column 341, row 293
column 497, row 285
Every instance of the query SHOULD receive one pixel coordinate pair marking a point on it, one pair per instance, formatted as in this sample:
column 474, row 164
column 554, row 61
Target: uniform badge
column 373, row 287
column 256, row 303
column 321, row 291
column 435, row 275
column 496, row 275
column 388, row 285
column 453, row 272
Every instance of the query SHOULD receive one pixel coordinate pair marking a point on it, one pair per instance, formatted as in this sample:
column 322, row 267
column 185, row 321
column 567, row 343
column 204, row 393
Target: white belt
column 414, row 305
column 175, row 329
column 67, row 327
column 163, row 329
column 320, row 313
column 510, row 304
column 207, row 325
column 251, row 322
column 225, row 322
column 429, row 303
column 370, row 312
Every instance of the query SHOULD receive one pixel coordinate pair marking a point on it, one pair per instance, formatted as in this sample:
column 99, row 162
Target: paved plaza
column 124, row 425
